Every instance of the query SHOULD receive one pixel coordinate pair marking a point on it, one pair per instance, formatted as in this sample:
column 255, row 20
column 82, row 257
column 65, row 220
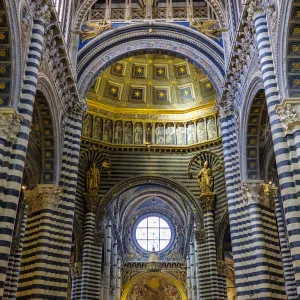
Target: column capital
column 41, row 10
column 221, row 268
column 208, row 201
column 10, row 123
column 77, row 109
column 200, row 236
column 255, row 9
column 44, row 196
column 91, row 200
column 289, row 113
column 254, row 192
column 225, row 107
column 76, row 269
column 99, row 237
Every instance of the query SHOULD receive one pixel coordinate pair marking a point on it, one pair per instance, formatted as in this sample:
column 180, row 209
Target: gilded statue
column 209, row 28
column 93, row 176
column 94, row 29
column 205, row 179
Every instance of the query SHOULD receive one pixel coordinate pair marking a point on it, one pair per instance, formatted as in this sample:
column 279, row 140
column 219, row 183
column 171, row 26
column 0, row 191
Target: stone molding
column 10, row 123
column 289, row 113
column 221, row 268
column 200, row 236
column 92, row 201
column 208, row 201
column 44, row 196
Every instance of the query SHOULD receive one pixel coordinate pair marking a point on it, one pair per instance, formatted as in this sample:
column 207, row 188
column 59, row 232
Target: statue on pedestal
column 205, row 179
column 93, row 178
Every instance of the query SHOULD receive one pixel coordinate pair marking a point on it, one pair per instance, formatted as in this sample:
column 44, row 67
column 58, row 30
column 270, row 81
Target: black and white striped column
column 76, row 273
column 43, row 248
column 13, row 160
column 288, row 186
column 208, row 205
column 13, row 271
column 203, row 268
column 269, row 282
column 289, row 274
column 92, row 251
column 193, row 282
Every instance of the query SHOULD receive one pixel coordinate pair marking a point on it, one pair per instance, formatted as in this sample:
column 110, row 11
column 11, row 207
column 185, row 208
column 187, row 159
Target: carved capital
column 253, row 192
column 76, row 270
column 10, row 123
column 289, row 113
column 44, row 196
column 99, row 238
column 91, row 200
column 200, row 236
column 208, row 201
column 77, row 109
column 221, row 268
column 41, row 10
column 225, row 108
column 15, row 244
column 255, row 9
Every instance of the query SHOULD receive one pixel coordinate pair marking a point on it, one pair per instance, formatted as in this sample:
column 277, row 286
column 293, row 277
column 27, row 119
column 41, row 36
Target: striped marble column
column 240, row 227
column 287, row 183
column 222, row 285
column 92, row 255
column 76, row 273
column 43, row 248
column 289, row 275
column 13, row 159
column 13, row 271
column 114, row 270
column 265, row 242
column 203, row 267
column 208, row 206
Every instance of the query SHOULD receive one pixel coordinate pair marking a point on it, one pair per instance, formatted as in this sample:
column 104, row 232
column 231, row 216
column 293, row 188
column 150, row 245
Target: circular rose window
column 153, row 232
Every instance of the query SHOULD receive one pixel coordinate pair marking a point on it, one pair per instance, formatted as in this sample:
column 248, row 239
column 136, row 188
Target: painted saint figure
column 128, row 133
column 169, row 134
column 87, row 126
column 205, row 179
column 138, row 134
column 118, row 133
column 97, row 131
column 93, row 178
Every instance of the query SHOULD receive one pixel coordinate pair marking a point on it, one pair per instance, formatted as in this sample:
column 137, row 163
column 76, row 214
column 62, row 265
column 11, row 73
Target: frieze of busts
column 10, row 123
column 289, row 113
column 44, row 196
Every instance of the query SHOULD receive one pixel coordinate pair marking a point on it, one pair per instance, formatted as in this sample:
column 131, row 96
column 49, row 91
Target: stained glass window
column 153, row 232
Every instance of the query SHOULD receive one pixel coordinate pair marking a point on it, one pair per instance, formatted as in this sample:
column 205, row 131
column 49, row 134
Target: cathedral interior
column 149, row 149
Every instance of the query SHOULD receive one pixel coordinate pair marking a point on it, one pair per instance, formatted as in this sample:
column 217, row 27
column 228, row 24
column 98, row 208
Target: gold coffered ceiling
column 151, row 83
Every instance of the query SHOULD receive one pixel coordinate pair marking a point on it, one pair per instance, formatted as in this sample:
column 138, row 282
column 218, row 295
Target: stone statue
column 159, row 135
column 107, row 131
column 211, row 129
column 118, row 133
column 180, row 135
column 169, row 134
column 205, row 179
column 138, row 134
column 97, row 130
column 94, row 29
column 148, row 134
column 128, row 134
column 93, row 178
column 190, row 134
column 201, row 134
column 87, row 126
